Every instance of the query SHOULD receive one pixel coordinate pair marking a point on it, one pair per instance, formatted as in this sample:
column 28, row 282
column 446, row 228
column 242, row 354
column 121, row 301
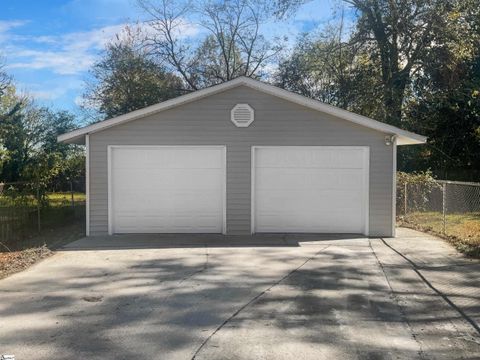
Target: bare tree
column 232, row 45
column 5, row 80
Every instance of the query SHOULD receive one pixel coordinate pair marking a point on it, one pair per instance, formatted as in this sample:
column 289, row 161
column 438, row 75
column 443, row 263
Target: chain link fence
column 447, row 208
column 32, row 216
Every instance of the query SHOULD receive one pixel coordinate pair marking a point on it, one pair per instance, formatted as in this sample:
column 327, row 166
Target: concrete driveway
column 263, row 298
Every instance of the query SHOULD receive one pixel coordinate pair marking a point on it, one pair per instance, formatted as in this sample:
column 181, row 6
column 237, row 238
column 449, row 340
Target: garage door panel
column 318, row 221
column 167, row 221
column 168, row 158
column 171, row 179
column 310, row 189
column 308, row 224
column 170, row 201
column 328, row 179
column 306, row 158
column 167, row 190
column 319, row 200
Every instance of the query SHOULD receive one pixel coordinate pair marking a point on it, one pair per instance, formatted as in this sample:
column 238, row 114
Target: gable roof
column 403, row 137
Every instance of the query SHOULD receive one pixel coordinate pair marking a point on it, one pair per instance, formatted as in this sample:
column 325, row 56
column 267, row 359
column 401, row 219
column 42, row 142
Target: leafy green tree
column 126, row 79
column 20, row 134
column 56, row 164
column 399, row 35
column 411, row 63
column 326, row 68
column 444, row 101
column 30, row 151
column 450, row 116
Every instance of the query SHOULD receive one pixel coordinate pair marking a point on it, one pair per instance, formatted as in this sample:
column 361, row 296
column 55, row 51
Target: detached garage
column 238, row 158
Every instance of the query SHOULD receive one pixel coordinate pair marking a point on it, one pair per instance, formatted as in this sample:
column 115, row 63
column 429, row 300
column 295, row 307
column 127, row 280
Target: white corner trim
column 224, row 224
column 394, row 187
column 87, row 185
column 109, row 193
column 404, row 137
column 252, row 190
column 366, row 165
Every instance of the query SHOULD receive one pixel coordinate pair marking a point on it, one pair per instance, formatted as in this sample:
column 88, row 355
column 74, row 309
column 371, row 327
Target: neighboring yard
column 462, row 230
column 449, row 209
column 23, row 241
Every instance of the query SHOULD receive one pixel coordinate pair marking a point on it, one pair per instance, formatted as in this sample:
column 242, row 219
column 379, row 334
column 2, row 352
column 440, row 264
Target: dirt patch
column 36, row 248
column 15, row 261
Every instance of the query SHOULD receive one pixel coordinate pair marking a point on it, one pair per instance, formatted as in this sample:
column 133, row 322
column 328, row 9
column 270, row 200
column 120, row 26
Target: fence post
column 71, row 195
column 405, row 199
column 444, row 205
column 38, row 209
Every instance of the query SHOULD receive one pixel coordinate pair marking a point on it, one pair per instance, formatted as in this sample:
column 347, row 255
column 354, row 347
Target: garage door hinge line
column 438, row 292
column 254, row 299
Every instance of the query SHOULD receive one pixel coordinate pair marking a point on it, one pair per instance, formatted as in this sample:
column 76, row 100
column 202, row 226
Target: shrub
column 419, row 186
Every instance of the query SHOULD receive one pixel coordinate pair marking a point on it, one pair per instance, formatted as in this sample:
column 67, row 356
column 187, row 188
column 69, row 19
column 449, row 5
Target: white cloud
column 72, row 53
column 66, row 54
column 63, row 62
column 51, row 90
column 6, row 26
column 51, row 67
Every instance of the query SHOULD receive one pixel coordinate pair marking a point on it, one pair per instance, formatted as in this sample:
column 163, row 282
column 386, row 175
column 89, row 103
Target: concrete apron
column 160, row 241
column 314, row 300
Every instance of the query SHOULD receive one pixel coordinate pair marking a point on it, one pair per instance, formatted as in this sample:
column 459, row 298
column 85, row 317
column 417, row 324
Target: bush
column 419, row 186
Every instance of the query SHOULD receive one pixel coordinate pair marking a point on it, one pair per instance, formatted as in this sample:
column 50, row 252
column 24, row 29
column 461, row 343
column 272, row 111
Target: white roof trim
column 403, row 137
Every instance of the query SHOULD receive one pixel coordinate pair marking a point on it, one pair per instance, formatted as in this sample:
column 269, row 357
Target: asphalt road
column 336, row 298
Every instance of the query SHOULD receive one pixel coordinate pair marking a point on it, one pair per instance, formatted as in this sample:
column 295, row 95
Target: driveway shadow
column 322, row 302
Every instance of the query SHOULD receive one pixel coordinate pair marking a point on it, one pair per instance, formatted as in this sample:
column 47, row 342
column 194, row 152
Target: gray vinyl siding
column 277, row 122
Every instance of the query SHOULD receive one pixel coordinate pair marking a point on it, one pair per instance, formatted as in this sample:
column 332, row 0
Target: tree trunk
column 394, row 93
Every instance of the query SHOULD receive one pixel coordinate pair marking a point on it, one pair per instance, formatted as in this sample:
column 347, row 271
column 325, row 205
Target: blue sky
column 49, row 45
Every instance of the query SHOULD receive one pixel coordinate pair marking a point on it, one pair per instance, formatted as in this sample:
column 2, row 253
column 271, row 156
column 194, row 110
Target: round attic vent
column 242, row 115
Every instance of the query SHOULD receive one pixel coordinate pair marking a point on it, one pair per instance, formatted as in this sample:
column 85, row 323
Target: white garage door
column 166, row 189
column 310, row 189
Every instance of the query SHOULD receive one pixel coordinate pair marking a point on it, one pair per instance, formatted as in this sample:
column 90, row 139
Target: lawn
column 54, row 199
column 462, row 230
column 64, row 198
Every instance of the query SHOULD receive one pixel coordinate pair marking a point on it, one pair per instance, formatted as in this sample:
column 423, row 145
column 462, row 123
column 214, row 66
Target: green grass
column 59, row 221
column 54, row 199
column 462, row 230
column 62, row 199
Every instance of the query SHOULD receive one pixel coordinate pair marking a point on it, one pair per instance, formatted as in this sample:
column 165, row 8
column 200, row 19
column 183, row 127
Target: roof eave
column 410, row 139
column 78, row 140
column 403, row 137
